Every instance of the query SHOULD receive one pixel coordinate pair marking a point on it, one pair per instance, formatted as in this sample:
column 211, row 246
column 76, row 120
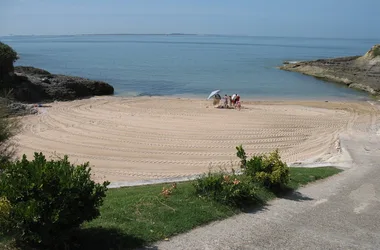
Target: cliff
column 360, row 72
column 33, row 85
column 37, row 85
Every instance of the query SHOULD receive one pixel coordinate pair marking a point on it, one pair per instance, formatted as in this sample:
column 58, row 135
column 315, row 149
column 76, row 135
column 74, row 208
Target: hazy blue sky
column 305, row 18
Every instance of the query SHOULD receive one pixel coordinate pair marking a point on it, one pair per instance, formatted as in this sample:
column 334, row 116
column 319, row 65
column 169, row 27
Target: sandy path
column 145, row 138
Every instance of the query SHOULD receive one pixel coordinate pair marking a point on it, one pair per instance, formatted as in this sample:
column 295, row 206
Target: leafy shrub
column 227, row 189
column 266, row 169
column 7, row 57
column 49, row 198
column 242, row 155
column 5, row 210
column 7, row 53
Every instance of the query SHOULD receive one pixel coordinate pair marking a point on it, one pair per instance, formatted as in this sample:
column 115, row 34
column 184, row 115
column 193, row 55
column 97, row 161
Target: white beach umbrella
column 213, row 93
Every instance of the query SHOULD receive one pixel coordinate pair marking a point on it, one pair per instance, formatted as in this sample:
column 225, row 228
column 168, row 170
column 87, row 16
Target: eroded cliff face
column 37, row 85
column 361, row 72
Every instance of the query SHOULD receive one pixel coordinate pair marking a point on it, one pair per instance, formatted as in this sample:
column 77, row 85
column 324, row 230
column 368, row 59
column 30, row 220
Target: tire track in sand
column 145, row 138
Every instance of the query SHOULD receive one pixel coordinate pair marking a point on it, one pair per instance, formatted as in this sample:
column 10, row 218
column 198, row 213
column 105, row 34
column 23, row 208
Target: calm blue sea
column 190, row 65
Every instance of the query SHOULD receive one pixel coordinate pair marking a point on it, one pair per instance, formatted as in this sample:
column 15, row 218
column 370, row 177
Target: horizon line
column 188, row 34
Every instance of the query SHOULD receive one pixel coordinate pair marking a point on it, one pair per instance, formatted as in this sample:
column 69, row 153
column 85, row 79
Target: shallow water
column 191, row 65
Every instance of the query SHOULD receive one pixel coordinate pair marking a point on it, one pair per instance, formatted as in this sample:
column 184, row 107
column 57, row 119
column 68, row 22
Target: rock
column 17, row 108
column 45, row 80
column 373, row 52
column 361, row 72
column 36, row 85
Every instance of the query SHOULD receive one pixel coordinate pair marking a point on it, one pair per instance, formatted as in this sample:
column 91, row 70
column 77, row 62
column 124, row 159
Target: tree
column 7, row 57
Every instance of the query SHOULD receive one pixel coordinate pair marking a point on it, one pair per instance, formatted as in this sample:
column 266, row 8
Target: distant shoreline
column 186, row 34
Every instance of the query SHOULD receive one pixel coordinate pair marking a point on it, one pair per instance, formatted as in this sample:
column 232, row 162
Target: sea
column 192, row 65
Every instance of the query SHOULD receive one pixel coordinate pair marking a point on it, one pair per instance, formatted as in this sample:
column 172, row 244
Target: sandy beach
column 129, row 139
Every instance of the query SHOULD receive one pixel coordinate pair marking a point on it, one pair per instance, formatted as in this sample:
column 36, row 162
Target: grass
column 302, row 176
column 135, row 216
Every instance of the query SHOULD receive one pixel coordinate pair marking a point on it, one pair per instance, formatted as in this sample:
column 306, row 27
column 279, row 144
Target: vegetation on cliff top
column 376, row 51
column 7, row 54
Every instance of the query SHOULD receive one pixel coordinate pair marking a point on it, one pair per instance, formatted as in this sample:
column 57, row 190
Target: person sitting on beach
column 216, row 99
column 225, row 101
column 233, row 99
column 238, row 105
column 237, row 102
column 230, row 101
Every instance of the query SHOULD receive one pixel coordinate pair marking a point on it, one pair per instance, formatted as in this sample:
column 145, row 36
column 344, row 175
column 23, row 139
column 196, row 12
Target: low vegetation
column 55, row 205
column 134, row 216
column 8, row 128
column 129, row 217
column 43, row 201
column 268, row 170
column 258, row 173
column 376, row 51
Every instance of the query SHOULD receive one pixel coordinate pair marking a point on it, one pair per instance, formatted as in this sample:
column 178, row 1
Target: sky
column 284, row 18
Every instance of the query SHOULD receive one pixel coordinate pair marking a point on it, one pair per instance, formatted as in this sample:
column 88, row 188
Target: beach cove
column 143, row 138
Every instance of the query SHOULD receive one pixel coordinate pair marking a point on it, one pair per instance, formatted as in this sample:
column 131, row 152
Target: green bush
column 5, row 210
column 376, row 51
column 48, row 199
column 7, row 57
column 7, row 54
column 269, row 170
column 262, row 171
column 227, row 189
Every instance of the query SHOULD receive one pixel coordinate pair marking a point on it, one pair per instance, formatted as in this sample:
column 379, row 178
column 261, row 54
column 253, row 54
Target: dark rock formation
column 361, row 72
column 17, row 108
column 36, row 85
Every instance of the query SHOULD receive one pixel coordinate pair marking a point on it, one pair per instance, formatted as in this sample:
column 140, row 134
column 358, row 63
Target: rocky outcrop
column 33, row 85
column 17, row 108
column 360, row 72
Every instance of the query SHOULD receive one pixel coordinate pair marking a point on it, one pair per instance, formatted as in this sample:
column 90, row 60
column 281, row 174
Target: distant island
column 360, row 72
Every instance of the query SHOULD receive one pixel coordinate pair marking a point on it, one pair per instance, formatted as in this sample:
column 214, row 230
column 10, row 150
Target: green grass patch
column 302, row 176
column 146, row 215
column 135, row 216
